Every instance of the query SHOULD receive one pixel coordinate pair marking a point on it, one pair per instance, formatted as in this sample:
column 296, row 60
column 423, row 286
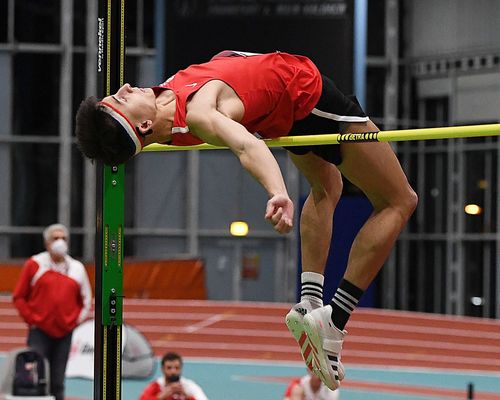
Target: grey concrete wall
column 448, row 26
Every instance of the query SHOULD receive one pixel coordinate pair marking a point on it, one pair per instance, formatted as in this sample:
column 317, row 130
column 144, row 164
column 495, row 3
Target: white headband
column 125, row 123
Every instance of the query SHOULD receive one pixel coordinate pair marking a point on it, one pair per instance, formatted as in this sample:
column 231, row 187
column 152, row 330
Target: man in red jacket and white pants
column 53, row 296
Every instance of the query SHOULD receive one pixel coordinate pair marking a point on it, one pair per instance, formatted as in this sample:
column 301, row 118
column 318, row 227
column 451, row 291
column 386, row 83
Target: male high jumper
column 234, row 99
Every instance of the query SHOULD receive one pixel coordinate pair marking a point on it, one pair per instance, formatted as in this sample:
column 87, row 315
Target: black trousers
column 334, row 109
column 56, row 350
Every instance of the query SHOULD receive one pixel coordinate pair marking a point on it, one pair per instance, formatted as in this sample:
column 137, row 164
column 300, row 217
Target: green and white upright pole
column 110, row 200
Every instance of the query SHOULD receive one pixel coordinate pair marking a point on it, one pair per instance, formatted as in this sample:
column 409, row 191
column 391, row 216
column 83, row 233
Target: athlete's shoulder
column 234, row 53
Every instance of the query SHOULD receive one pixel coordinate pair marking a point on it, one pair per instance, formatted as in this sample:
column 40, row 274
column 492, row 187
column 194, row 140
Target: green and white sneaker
column 326, row 340
column 295, row 323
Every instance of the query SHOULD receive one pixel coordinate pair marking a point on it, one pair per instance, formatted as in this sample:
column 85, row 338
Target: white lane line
column 388, row 327
column 388, row 356
column 203, row 326
column 205, row 323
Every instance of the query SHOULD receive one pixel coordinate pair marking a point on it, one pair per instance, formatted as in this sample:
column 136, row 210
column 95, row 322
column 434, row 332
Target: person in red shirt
column 172, row 386
column 309, row 387
column 53, row 296
column 237, row 98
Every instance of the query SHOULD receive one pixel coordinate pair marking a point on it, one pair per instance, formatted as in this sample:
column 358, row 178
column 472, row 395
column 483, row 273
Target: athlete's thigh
column 318, row 172
column 374, row 168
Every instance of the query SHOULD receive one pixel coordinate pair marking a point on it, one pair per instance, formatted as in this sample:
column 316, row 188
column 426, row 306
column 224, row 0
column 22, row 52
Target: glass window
column 474, row 295
column 3, row 20
column 34, row 190
column 149, row 15
column 412, row 275
column 376, row 31
column 78, row 81
column 435, row 195
column 79, row 23
column 38, row 21
column 76, row 187
column 495, row 207
column 131, row 70
column 412, row 174
column 474, row 198
column 36, row 94
column 375, row 83
column 131, row 23
column 26, row 245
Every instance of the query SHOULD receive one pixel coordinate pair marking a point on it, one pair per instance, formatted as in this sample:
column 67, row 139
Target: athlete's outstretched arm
column 207, row 122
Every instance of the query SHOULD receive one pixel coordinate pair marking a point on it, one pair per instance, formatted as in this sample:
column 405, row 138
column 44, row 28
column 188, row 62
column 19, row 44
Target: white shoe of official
column 327, row 340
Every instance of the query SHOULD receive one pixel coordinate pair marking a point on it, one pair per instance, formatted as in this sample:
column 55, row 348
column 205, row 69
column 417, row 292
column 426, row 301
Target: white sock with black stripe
column 344, row 302
column 312, row 288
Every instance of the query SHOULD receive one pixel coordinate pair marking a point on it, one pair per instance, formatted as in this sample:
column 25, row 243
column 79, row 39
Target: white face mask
column 59, row 247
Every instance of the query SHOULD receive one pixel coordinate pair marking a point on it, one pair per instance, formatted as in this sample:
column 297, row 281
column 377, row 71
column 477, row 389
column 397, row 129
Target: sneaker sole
column 312, row 331
column 294, row 323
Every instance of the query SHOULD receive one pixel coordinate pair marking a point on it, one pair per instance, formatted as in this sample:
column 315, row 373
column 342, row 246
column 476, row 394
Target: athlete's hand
column 279, row 212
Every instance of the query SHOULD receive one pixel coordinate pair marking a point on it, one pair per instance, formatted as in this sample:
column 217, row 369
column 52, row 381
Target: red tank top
column 276, row 89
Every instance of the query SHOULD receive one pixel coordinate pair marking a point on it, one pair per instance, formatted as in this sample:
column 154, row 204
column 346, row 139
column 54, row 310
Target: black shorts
column 332, row 109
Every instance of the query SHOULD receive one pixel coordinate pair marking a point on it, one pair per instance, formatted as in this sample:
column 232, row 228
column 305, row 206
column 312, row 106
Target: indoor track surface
column 243, row 351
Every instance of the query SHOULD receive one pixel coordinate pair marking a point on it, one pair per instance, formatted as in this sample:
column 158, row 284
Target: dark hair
column 171, row 356
column 99, row 136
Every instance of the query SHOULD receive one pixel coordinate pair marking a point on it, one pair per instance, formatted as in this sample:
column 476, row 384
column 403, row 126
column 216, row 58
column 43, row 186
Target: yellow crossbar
column 449, row 132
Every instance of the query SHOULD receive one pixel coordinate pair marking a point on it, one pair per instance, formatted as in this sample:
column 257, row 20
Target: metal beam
column 65, row 114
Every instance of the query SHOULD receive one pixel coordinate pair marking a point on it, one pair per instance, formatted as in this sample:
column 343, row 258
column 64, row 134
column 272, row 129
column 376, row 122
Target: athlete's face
column 138, row 104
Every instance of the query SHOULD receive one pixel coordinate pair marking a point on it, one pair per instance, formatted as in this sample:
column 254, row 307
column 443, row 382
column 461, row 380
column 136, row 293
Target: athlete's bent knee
column 330, row 189
column 409, row 203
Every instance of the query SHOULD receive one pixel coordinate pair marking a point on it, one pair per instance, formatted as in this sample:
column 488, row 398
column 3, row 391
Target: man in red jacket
column 172, row 385
column 53, row 295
